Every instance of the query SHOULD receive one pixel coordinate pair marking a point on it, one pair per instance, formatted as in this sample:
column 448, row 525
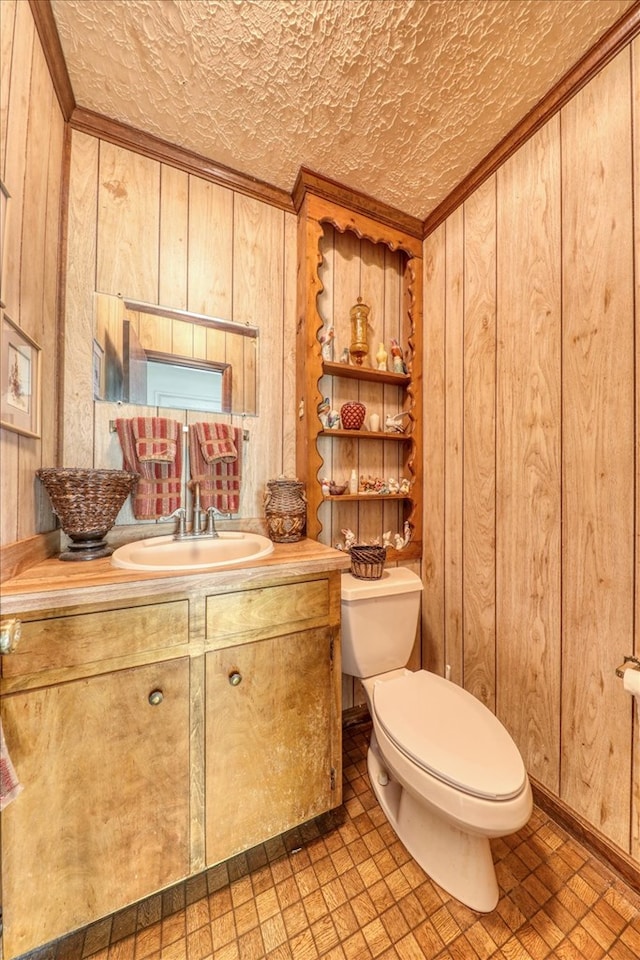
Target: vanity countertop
column 52, row 582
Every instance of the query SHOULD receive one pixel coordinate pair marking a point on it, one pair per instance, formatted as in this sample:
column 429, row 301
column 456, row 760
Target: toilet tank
column 379, row 620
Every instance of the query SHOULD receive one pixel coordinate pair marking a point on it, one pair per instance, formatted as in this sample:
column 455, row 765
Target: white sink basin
column 165, row 553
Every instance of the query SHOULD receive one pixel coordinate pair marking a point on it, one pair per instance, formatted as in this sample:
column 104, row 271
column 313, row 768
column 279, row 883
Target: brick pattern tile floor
column 344, row 888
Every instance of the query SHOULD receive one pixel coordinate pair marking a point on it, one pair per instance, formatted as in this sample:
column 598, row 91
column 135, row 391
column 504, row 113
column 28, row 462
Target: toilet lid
column 450, row 734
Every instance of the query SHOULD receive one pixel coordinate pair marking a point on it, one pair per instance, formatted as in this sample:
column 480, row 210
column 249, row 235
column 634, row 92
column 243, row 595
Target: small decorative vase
column 352, row 415
column 381, row 357
column 87, row 503
column 285, row 508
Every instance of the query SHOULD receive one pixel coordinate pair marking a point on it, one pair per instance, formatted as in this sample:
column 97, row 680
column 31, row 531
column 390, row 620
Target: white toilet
column 446, row 772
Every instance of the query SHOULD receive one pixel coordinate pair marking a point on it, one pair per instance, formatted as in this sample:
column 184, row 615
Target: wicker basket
column 285, row 508
column 367, row 563
column 87, row 503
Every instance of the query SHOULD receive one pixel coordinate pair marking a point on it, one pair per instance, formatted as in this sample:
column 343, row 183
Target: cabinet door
column 273, row 739
column 103, row 819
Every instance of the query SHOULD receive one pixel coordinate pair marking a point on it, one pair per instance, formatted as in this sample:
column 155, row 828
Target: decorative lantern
column 359, row 346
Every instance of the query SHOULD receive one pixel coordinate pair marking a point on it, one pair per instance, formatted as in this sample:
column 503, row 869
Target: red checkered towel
column 10, row 786
column 220, row 478
column 146, row 443
column 215, row 442
column 152, row 448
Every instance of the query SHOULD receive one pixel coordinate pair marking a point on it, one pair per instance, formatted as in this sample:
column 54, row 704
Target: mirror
column 161, row 357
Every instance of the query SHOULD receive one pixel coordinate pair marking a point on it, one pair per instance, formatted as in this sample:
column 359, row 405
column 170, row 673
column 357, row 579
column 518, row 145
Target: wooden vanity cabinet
column 273, row 713
column 156, row 738
column 103, row 758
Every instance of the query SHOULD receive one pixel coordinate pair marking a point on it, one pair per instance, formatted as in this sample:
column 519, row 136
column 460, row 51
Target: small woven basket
column 87, row 503
column 367, row 563
column 285, row 508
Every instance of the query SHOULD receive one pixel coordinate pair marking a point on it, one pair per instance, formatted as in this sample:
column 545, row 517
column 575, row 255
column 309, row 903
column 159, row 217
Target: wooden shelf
column 350, row 372
column 373, row 497
column 324, row 226
column 364, row 435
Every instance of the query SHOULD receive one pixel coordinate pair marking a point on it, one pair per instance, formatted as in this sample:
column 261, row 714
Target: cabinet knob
column 156, row 697
column 10, row 633
column 235, row 678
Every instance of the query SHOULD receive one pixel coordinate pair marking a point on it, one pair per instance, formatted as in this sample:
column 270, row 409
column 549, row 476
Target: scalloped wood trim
column 309, row 182
column 324, row 210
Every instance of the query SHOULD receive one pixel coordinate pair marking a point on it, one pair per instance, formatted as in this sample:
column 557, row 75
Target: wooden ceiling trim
column 308, row 181
column 620, row 34
column 122, row 135
column 52, row 49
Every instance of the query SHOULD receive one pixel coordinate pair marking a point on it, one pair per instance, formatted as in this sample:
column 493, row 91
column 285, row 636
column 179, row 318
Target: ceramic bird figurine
column 324, row 408
column 393, row 423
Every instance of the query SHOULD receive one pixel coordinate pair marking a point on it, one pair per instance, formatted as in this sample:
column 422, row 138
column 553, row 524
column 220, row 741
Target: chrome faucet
column 197, row 528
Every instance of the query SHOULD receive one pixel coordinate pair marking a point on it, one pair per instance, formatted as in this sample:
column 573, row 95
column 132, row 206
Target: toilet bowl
column 444, row 769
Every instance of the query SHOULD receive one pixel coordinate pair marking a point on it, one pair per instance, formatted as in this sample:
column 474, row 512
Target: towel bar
column 185, row 429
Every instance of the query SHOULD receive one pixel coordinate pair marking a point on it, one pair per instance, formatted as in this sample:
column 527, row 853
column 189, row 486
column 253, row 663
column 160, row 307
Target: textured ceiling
column 399, row 99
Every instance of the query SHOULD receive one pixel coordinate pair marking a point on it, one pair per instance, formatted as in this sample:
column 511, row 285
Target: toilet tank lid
column 393, row 581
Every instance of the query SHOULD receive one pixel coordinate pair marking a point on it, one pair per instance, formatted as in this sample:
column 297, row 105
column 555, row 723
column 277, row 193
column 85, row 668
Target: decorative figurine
column 344, row 356
column 397, row 358
column 333, row 420
column 393, row 423
column 381, row 357
column 323, row 411
column 405, row 485
column 401, row 541
column 326, row 339
column 349, row 538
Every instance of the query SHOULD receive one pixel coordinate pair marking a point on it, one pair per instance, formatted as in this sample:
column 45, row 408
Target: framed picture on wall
column 19, row 381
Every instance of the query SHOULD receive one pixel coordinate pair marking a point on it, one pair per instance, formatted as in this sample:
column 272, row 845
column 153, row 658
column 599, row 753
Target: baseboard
column 355, row 716
column 19, row 556
column 619, row 861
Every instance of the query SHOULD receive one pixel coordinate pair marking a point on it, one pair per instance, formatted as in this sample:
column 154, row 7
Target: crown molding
column 52, row 49
column 308, row 181
column 87, row 121
column 122, row 135
column 610, row 44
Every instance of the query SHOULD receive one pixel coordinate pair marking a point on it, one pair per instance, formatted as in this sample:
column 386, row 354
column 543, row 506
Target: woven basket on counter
column 285, row 508
column 87, row 503
column 367, row 563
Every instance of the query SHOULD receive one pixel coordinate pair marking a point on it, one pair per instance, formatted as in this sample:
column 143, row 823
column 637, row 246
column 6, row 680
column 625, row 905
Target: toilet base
column 461, row 863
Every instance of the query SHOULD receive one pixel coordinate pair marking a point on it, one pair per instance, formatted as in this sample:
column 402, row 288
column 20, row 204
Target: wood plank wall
column 143, row 230
column 531, row 453
column 31, row 165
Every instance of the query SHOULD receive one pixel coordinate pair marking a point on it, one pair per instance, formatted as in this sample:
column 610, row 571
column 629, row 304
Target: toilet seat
column 449, row 734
